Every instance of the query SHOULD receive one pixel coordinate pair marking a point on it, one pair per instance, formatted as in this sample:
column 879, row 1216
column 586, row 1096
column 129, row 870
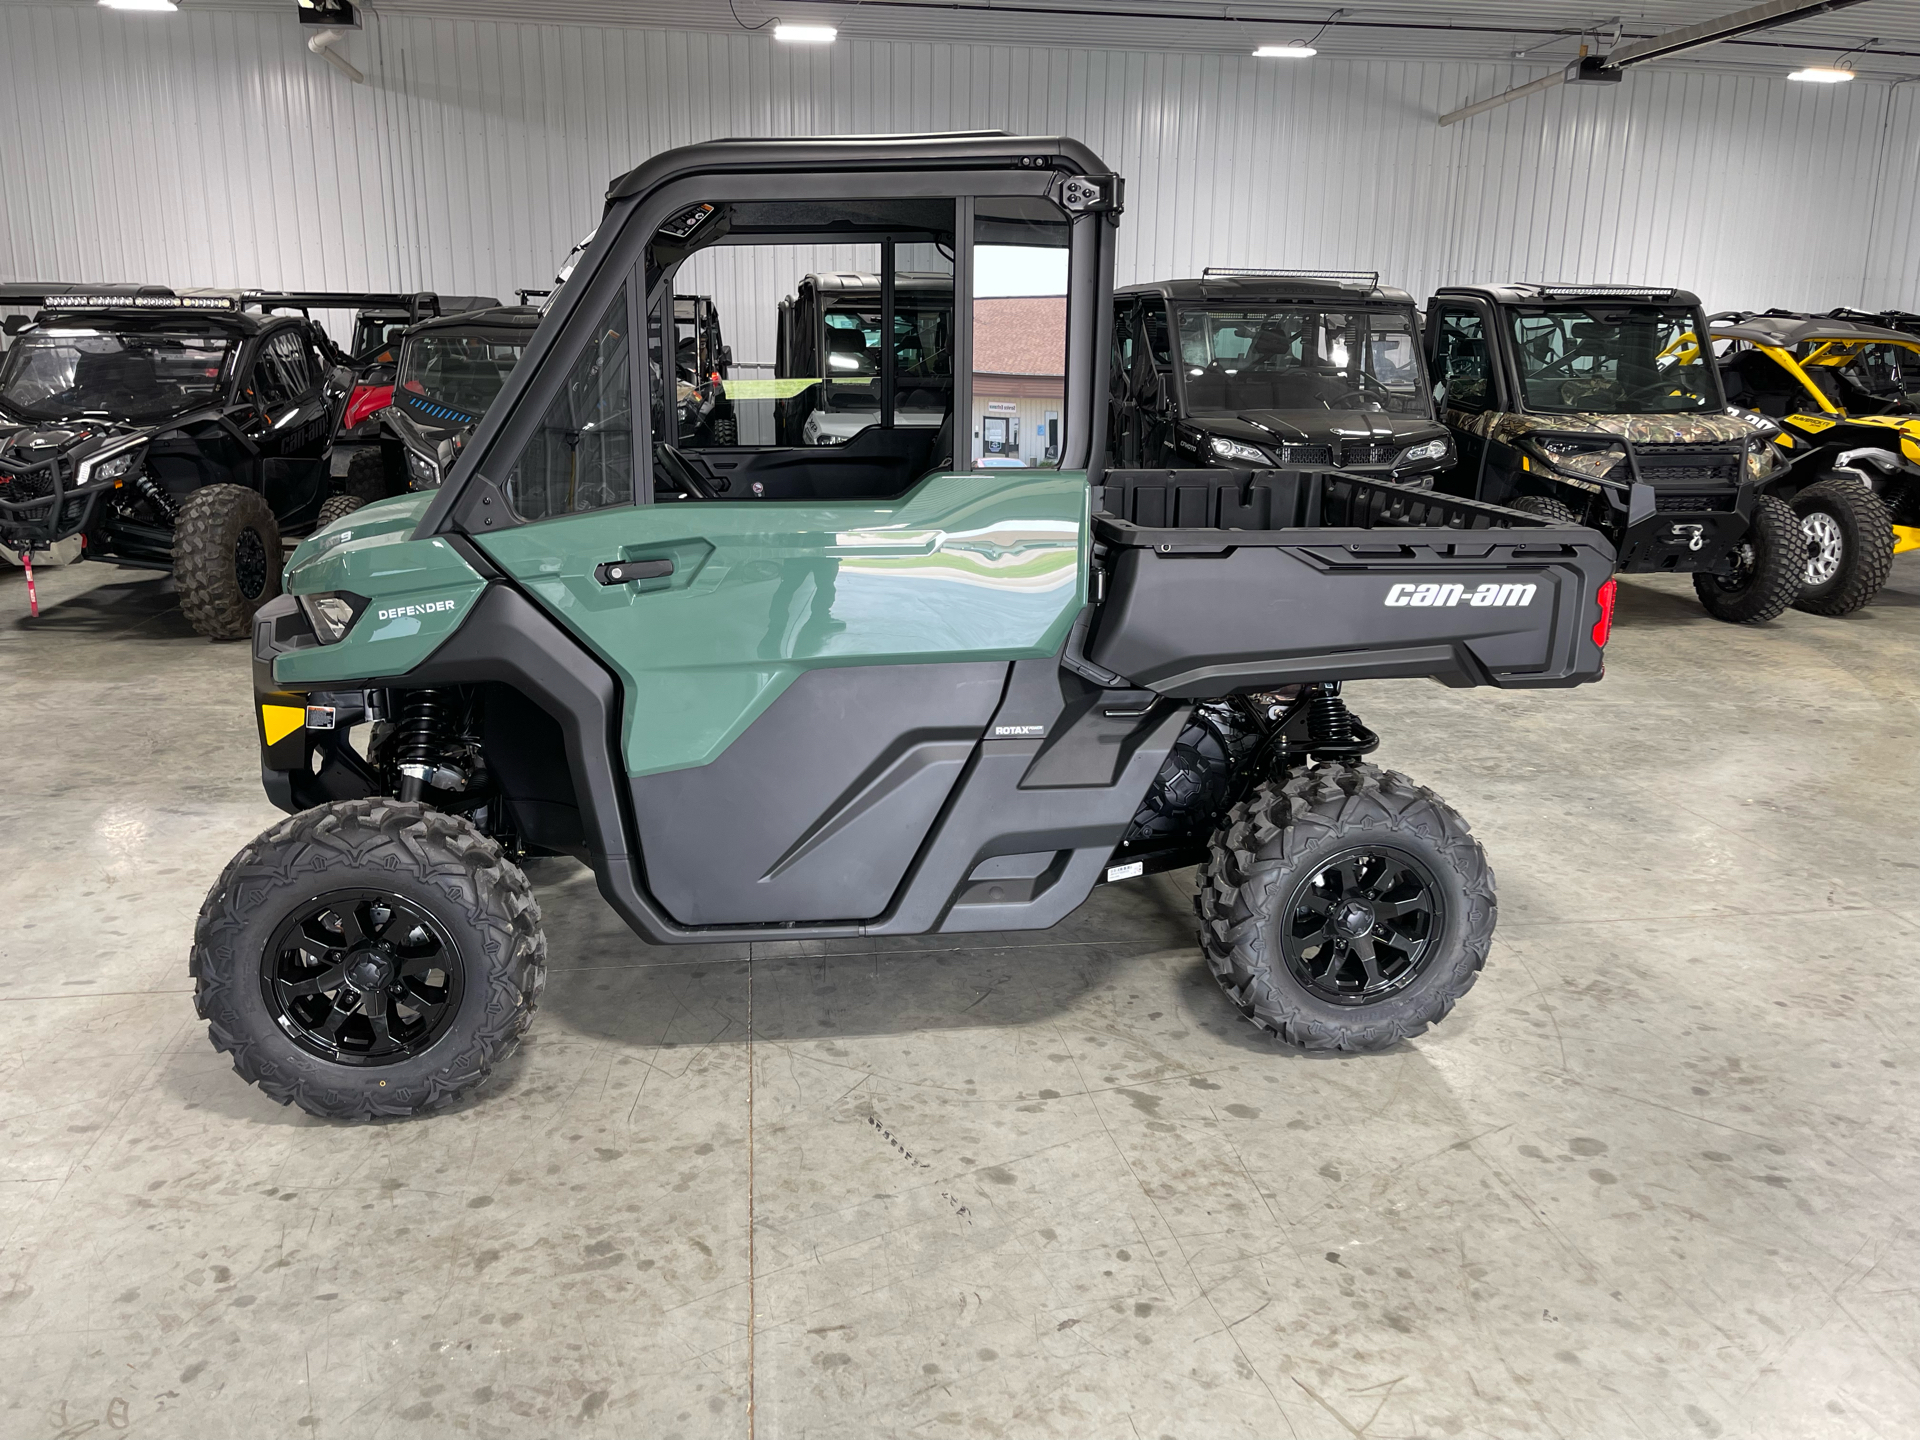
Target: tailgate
column 1392, row 583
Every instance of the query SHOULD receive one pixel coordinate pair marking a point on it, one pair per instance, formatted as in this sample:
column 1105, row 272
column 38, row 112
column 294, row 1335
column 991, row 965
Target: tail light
column 1603, row 627
column 364, row 401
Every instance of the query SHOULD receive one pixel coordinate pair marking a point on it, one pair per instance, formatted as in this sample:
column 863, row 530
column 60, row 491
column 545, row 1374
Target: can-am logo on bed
column 1435, row 596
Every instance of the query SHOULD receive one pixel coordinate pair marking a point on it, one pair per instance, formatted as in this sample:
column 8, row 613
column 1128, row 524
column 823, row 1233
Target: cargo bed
column 1214, row 582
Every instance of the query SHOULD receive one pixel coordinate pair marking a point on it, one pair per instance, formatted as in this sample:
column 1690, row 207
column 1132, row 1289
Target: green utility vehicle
column 780, row 692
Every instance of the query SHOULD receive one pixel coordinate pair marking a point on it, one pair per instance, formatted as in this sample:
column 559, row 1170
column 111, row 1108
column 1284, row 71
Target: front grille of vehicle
column 1358, row 454
column 1306, row 454
column 1664, row 464
column 18, row 487
column 1682, row 500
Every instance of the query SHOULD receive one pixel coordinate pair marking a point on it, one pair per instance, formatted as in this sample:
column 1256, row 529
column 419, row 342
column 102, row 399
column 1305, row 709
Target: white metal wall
column 210, row 148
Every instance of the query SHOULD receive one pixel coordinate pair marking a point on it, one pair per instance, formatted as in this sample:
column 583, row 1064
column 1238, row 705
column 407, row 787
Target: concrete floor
column 1655, row 1177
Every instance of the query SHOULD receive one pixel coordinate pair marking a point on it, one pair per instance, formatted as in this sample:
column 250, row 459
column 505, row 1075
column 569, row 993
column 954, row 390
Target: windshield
column 461, row 373
column 1300, row 358
column 54, row 374
column 922, row 358
column 1612, row 359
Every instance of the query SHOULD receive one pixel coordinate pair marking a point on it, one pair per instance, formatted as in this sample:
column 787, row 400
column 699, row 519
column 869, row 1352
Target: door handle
column 623, row 572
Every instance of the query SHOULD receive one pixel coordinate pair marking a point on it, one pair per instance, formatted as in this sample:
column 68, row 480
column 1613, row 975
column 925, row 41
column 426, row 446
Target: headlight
column 1234, row 450
column 1432, row 450
column 332, row 613
column 422, row 472
column 1583, row 460
column 111, row 465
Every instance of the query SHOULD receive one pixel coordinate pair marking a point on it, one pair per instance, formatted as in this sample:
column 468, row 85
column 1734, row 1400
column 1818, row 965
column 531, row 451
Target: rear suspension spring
column 1333, row 731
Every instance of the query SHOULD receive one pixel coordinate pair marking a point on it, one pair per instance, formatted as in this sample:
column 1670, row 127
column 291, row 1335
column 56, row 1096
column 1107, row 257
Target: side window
column 1460, row 370
column 1019, row 333
column 296, row 359
column 581, row 457
column 272, row 386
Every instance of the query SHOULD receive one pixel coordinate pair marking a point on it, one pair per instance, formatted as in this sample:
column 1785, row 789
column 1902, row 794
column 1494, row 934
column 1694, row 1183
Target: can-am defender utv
column 1591, row 403
column 170, row 432
column 863, row 689
column 1833, row 395
column 449, row 370
column 828, row 354
column 1299, row 368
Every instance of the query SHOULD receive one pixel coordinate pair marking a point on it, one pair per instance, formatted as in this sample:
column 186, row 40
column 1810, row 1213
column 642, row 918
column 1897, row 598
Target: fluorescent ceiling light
column 805, row 34
column 1295, row 51
column 139, row 4
column 1822, row 75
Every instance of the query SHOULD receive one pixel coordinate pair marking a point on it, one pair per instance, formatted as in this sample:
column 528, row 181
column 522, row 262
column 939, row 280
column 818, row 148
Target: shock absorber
column 1333, row 731
column 425, row 728
column 162, row 502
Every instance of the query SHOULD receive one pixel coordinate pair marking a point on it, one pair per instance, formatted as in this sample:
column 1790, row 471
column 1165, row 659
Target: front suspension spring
column 156, row 497
column 421, row 737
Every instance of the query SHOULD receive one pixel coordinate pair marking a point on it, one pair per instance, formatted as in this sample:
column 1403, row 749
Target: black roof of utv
column 957, row 149
column 1516, row 292
column 476, row 322
column 1275, row 288
column 1785, row 329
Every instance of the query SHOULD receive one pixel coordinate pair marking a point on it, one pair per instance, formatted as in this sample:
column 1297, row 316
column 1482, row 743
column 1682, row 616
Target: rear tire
column 305, row 1019
column 726, row 432
column 1849, row 545
column 1546, row 508
column 226, row 559
column 1770, row 561
column 335, row 507
column 1329, row 838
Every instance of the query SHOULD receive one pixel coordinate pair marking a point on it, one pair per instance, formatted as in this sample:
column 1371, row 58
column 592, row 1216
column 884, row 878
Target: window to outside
column 581, row 457
column 1020, row 262
column 1621, row 360
column 461, row 373
column 1299, row 358
column 53, row 375
column 1460, row 361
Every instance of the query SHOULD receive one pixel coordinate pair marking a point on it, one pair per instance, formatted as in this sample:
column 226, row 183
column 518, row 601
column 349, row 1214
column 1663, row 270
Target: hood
column 1711, row 428
column 31, row 443
column 385, row 522
column 1319, row 427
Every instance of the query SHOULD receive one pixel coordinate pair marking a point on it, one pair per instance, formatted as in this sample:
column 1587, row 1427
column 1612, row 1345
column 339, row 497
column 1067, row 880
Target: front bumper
column 1683, row 532
column 306, row 754
column 39, row 504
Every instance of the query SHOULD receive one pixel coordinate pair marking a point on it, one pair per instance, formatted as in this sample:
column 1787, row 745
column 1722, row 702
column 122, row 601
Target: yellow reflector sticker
column 280, row 721
column 784, row 389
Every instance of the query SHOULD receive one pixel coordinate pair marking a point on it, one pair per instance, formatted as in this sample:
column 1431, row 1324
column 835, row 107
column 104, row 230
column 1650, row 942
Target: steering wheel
column 1366, row 390
column 669, row 464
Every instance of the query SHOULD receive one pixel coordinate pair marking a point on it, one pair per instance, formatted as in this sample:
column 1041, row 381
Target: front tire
column 1849, row 545
column 1346, row 909
column 336, row 507
column 367, row 476
column 368, row 958
column 1768, row 565
column 1547, row 508
column 226, row 559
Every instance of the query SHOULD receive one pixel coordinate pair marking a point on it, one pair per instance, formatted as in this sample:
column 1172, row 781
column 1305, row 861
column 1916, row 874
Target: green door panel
column 987, row 565
column 418, row 592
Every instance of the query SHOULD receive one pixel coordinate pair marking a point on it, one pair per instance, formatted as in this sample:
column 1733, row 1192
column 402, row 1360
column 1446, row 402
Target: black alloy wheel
column 359, row 977
column 1361, row 927
column 250, row 568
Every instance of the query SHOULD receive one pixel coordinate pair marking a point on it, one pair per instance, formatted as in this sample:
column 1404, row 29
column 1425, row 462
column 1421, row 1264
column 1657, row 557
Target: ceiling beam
column 1657, row 47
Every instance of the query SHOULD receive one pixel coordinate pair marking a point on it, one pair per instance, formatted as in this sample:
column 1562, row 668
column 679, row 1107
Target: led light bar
column 142, row 302
column 1563, row 291
column 1368, row 279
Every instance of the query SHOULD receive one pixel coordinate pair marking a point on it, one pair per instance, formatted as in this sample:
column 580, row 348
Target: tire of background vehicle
column 1770, row 581
column 1860, row 522
column 1546, row 508
column 1266, row 859
column 440, row 867
column 366, row 476
column 224, row 535
column 335, row 506
column 726, row 432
